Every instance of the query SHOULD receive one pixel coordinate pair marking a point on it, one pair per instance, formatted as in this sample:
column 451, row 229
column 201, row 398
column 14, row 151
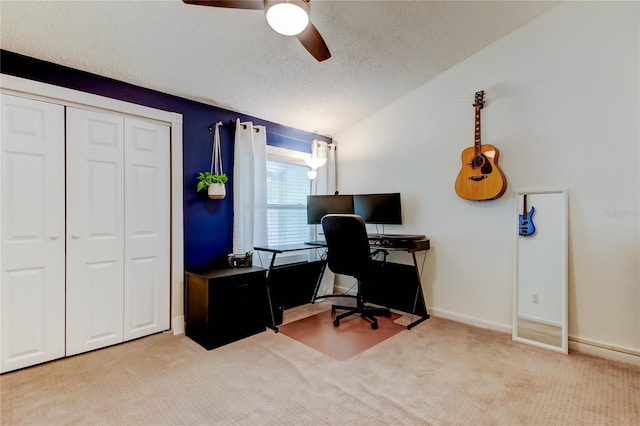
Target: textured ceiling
column 380, row 50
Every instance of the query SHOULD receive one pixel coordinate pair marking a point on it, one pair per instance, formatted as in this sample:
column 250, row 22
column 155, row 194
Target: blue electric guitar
column 526, row 226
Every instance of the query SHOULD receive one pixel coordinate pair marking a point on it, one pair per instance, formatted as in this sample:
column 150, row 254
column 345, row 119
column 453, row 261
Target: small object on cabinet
column 240, row 260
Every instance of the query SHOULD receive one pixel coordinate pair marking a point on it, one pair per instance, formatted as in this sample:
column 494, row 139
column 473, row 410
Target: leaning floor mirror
column 541, row 271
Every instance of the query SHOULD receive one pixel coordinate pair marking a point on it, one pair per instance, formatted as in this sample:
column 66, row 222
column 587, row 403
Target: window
column 287, row 190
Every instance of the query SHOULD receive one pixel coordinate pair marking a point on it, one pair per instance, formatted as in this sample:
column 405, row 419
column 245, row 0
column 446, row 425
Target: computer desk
column 419, row 307
column 275, row 250
column 411, row 246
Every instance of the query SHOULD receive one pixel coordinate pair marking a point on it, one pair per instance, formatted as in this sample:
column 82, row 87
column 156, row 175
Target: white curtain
column 249, row 187
column 326, row 183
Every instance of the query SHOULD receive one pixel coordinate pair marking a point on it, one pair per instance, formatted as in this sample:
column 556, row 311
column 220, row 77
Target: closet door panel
column 95, row 229
column 32, row 226
column 147, row 228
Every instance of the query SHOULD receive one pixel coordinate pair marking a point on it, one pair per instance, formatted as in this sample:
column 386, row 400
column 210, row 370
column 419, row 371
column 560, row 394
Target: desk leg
column 419, row 296
column 315, row 290
column 272, row 325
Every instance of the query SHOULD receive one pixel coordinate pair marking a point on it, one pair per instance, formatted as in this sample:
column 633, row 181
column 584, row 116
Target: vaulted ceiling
column 231, row 58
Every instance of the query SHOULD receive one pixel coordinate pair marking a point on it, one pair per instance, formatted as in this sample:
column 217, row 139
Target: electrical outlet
column 535, row 299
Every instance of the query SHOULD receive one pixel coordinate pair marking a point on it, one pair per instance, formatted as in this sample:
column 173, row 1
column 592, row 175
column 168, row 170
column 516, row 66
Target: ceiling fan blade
column 314, row 43
column 233, row 4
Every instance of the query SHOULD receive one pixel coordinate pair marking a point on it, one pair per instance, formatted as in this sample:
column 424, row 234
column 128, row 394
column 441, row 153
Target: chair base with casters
column 368, row 312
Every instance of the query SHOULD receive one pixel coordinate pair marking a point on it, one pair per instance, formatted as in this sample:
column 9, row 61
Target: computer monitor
column 320, row 205
column 383, row 209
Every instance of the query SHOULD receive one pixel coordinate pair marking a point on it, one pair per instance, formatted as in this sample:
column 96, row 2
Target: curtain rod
column 219, row 123
column 257, row 130
column 292, row 138
column 244, row 126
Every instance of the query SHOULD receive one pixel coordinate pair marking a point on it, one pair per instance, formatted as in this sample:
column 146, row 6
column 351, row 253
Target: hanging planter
column 215, row 179
column 217, row 191
column 214, row 182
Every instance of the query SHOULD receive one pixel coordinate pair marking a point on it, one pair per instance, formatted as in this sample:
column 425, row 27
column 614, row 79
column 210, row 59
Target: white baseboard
column 604, row 351
column 540, row 320
column 584, row 346
column 177, row 325
column 465, row 319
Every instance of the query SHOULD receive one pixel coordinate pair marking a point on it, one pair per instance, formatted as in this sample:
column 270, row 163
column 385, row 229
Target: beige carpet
column 439, row 373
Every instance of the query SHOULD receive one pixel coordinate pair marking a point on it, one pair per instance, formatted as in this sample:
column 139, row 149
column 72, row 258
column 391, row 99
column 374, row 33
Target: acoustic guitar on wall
column 480, row 178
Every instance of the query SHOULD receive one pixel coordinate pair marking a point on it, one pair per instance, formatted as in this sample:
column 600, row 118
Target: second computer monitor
column 320, row 205
column 383, row 209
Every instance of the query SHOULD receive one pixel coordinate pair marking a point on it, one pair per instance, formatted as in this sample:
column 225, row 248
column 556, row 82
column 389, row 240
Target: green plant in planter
column 207, row 178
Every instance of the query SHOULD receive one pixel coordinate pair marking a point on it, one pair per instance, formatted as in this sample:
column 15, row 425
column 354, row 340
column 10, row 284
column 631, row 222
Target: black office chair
column 348, row 253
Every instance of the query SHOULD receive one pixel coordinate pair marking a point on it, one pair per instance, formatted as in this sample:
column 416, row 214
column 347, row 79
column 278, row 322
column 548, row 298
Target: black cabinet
column 225, row 305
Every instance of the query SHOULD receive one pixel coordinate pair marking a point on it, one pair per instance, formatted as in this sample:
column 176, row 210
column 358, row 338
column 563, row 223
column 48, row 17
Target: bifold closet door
column 147, row 227
column 32, row 227
column 95, row 230
column 118, row 229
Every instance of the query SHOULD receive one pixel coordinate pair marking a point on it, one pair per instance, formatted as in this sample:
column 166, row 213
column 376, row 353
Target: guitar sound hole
column 478, row 161
column 481, row 162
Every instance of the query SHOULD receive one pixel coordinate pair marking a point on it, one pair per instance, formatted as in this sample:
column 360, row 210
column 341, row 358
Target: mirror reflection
column 540, row 289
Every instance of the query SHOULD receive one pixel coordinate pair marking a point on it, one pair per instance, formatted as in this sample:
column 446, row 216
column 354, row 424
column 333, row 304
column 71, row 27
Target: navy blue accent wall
column 208, row 224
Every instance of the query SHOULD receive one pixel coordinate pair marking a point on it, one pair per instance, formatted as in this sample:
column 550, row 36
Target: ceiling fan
column 288, row 17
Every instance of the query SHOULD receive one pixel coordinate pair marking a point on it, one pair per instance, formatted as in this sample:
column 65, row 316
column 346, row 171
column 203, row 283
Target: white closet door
column 95, row 229
column 147, row 228
column 31, row 232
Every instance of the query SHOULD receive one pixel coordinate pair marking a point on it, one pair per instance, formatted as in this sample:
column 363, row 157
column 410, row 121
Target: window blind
column 287, row 190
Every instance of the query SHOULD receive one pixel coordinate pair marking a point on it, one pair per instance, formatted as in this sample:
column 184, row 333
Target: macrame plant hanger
column 216, row 190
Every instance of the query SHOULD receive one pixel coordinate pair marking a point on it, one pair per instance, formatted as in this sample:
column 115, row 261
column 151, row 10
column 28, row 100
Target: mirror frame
column 564, row 279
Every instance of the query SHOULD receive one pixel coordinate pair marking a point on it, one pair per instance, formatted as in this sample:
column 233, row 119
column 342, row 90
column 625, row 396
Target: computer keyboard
column 396, row 237
column 316, row 243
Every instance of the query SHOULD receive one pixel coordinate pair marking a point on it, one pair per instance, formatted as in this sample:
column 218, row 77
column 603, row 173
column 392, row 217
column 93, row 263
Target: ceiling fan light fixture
column 315, row 163
column 287, row 17
column 317, row 159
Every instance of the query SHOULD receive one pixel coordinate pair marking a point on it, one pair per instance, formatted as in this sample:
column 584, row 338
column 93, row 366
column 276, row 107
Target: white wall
column 562, row 107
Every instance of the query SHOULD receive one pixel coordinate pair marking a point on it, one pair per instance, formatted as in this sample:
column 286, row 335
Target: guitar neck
column 477, row 143
column 524, row 205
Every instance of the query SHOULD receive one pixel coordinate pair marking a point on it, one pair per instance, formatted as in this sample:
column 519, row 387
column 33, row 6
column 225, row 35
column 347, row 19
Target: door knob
column 54, row 236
